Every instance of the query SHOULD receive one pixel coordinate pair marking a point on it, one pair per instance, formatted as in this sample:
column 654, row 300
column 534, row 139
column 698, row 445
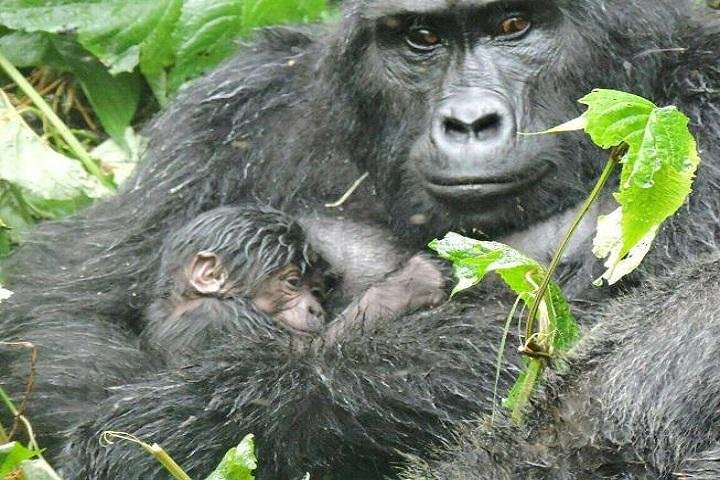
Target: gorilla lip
column 479, row 187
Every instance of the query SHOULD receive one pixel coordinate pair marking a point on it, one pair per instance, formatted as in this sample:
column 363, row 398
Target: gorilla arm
column 349, row 408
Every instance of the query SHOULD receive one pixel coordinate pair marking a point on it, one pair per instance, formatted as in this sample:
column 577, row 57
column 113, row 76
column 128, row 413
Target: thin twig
column 349, row 192
column 108, row 437
column 28, row 387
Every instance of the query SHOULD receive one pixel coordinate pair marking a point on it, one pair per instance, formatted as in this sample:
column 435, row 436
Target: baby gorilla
column 230, row 269
column 238, row 297
column 233, row 269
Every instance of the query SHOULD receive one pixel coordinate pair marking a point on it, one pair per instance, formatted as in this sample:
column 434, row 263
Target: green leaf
column 473, row 259
column 154, row 35
column 158, row 49
column 205, row 35
column 41, row 182
column 114, row 98
column 121, row 33
column 238, row 463
column 25, row 49
column 657, row 172
column 208, row 29
column 12, row 454
column 613, row 116
column 259, row 13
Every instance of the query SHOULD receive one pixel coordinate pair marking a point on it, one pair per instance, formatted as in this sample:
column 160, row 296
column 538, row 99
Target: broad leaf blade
column 12, row 454
column 47, row 183
column 205, row 34
column 656, row 178
column 259, row 13
column 114, row 98
column 239, row 462
column 473, row 259
column 612, row 116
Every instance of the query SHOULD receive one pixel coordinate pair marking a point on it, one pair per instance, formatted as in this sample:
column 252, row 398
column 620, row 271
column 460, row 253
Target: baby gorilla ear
column 206, row 273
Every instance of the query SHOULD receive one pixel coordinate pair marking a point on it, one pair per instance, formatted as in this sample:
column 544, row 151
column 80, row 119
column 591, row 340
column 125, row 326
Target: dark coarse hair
column 251, row 240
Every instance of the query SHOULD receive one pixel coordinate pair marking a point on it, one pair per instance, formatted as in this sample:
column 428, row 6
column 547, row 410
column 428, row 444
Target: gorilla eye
column 423, row 39
column 318, row 293
column 293, row 281
column 514, row 26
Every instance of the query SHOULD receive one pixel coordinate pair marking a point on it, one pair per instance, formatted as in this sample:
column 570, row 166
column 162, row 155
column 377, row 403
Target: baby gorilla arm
column 419, row 283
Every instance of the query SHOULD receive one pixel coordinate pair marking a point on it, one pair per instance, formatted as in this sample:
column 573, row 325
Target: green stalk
column 536, row 365
column 108, row 437
column 76, row 147
column 534, row 369
column 8, row 403
column 166, row 460
column 612, row 162
column 3, row 435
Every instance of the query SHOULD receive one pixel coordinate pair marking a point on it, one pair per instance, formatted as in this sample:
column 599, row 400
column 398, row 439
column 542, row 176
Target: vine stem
column 3, row 435
column 536, row 365
column 615, row 156
column 90, row 165
column 108, row 437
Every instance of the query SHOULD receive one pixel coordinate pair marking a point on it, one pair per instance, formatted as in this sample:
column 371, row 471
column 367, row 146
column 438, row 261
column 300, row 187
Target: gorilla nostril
column 315, row 311
column 484, row 128
column 457, row 129
column 488, row 122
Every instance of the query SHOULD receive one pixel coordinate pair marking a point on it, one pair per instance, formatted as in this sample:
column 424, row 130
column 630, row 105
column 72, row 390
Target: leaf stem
column 3, row 435
column 90, row 165
column 108, row 437
column 8, row 403
column 534, row 368
column 615, row 155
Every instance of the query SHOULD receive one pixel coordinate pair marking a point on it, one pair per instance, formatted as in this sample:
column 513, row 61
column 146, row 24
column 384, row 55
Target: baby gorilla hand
column 420, row 283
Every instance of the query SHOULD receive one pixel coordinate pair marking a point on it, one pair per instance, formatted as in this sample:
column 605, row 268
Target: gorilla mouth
column 453, row 187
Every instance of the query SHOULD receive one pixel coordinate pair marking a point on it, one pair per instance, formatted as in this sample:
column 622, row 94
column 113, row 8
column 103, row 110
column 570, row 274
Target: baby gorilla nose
column 316, row 311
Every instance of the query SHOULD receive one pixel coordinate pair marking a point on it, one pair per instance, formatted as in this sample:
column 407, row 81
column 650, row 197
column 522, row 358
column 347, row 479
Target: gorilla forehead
column 374, row 9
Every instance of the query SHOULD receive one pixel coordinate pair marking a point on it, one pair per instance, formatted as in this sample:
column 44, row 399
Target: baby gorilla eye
column 293, row 281
column 514, row 26
column 318, row 292
column 423, row 39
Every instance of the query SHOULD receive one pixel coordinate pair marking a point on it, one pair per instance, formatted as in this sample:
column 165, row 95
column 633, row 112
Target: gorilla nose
column 465, row 125
column 472, row 124
column 317, row 312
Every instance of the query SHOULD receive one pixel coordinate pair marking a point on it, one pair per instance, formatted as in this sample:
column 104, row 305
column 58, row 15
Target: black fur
column 294, row 120
column 638, row 398
column 251, row 241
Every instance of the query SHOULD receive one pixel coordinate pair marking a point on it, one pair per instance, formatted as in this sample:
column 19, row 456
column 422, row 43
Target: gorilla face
column 448, row 86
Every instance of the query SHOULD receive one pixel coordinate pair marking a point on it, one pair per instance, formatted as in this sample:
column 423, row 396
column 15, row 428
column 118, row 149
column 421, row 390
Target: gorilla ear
column 206, row 273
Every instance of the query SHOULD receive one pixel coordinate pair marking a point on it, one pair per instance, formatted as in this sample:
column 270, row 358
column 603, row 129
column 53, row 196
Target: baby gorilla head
column 227, row 265
column 292, row 298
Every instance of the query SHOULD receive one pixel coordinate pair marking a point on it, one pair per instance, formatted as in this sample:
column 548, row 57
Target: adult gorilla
column 428, row 96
